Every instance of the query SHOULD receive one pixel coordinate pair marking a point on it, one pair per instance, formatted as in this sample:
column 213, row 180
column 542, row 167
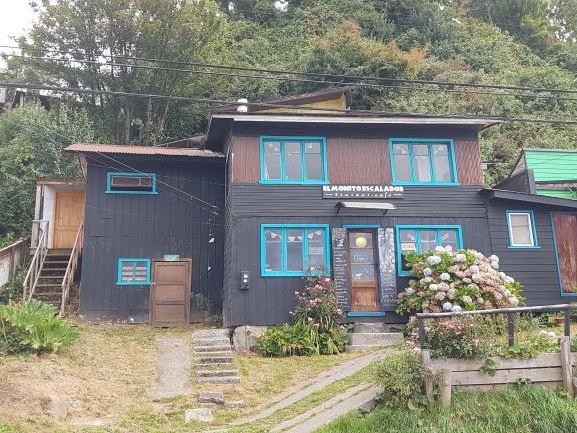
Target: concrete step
column 375, row 338
column 370, row 327
column 218, row 379
column 211, row 334
column 214, row 359
column 216, row 373
column 215, row 365
column 223, row 348
column 211, row 342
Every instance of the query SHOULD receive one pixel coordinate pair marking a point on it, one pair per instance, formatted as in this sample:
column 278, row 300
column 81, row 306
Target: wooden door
column 363, row 275
column 68, row 214
column 170, row 293
column 566, row 239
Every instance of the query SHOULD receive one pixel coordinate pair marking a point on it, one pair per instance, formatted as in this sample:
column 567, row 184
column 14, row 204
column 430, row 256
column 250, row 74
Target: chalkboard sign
column 340, row 273
column 387, row 269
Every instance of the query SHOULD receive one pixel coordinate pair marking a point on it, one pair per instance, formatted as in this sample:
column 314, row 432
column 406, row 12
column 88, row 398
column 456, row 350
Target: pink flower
column 475, row 342
column 310, row 319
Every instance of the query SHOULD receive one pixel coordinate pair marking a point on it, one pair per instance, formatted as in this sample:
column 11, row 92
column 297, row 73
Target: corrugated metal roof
column 142, row 150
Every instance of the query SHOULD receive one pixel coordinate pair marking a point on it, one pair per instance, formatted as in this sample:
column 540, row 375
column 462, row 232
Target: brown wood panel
column 358, row 161
column 170, row 293
column 363, row 270
column 245, row 160
column 566, row 238
column 68, row 214
column 468, row 159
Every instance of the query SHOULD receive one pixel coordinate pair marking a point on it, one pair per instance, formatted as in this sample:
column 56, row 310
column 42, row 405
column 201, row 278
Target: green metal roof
column 552, row 165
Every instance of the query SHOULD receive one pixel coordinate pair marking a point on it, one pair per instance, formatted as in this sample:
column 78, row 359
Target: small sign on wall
column 363, row 191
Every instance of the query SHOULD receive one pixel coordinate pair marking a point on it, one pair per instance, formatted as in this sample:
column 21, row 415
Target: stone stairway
column 213, row 356
column 372, row 335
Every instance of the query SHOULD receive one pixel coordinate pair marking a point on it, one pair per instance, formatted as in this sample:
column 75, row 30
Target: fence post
column 566, row 369
column 429, row 379
column 567, row 323
column 511, row 328
column 446, row 378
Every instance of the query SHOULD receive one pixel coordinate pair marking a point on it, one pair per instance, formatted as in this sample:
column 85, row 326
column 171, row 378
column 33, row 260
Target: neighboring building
column 550, row 172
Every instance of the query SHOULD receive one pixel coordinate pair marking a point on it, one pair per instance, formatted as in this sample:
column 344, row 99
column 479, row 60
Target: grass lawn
column 108, row 376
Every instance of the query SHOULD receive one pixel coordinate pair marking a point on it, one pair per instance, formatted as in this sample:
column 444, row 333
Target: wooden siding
column 181, row 219
column 468, row 160
column 522, row 181
column 332, row 104
column 535, row 268
column 565, row 230
column 353, row 159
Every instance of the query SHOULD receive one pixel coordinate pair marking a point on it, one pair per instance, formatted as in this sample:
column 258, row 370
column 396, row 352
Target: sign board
column 387, row 269
column 363, row 191
column 340, row 267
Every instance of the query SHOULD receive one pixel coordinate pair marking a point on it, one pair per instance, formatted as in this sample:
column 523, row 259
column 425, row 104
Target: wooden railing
column 11, row 257
column 71, row 268
column 37, row 262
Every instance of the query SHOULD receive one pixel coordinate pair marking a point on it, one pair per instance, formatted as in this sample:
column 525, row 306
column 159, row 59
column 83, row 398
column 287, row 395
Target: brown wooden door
column 170, row 293
column 566, row 240
column 68, row 214
column 363, row 275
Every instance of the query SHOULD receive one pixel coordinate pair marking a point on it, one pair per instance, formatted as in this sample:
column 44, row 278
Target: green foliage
column 489, row 367
column 401, row 375
column 35, row 327
column 13, row 289
column 531, row 347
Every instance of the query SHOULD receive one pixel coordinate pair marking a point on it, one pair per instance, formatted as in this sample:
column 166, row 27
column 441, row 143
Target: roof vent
column 242, row 107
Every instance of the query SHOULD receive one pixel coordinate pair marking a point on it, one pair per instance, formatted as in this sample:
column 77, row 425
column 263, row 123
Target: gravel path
column 172, row 367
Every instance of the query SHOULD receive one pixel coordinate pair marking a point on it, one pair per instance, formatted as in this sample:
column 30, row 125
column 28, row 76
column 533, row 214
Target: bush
column 456, row 281
column 33, row 326
column 401, row 375
column 13, row 289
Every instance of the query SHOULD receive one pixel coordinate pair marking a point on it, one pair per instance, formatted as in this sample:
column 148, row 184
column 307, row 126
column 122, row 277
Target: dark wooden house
column 154, row 218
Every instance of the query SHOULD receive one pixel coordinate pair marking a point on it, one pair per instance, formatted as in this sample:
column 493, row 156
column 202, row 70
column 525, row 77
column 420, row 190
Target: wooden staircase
column 49, row 284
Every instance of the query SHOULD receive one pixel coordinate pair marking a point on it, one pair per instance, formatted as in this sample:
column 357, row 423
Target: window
column 289, row 250
column 293, row 160
column 427, row 162
column 133, row 272
column 521, row 226
column 130, row 183
column 424, row 238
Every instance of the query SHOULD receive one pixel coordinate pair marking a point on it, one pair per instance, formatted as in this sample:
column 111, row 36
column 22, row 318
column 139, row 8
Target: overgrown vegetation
column 33, row 326
column 315, row 330
column 13, row 289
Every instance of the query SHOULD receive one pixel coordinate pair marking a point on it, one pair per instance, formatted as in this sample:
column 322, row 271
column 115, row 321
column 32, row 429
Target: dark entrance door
column 363, row 275
column 565, row 225
column 170, row 293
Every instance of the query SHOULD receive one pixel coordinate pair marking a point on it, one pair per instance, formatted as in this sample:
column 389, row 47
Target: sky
column 17, row 16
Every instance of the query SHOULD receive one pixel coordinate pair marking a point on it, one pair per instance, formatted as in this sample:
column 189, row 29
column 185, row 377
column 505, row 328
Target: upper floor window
column 133, row 272
column 418, row 239
column 289, row 250
column 297, row 160
column 130, row 183
column 522, row 232
column 421, row 161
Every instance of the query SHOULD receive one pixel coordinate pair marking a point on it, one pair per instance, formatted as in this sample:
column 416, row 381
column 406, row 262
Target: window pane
column 402, row 162
column 361, row 240
column 449, row 237
column 441, row 163
column 408, row 242
column 421, row 163
column 313, row 161
column 273, row 250
column 293, row 161
column 294, row 247
column 428, row 240
column 272, row 160
column 362, row 272
column 521, row 230
column 316, row 249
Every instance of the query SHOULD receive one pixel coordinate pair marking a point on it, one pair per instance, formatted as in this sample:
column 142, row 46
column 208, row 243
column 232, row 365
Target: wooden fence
column 11, row 257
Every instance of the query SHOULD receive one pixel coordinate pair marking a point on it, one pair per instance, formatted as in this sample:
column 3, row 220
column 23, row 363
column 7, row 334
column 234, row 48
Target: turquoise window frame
column 121, row 261
column 533, row 230
column 302, row 141
column 417, row 229
column 284, row 228
column 137, row 174
column 430, row 142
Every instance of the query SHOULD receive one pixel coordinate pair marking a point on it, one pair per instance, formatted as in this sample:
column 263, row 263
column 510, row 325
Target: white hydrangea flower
column 427, row 272
column 456, row 309
column 451, row 293
column 552, row 334
column 439, row 249
column 439, row 296
column 474, row 269
column 434, row 287
column 427, row 280
column 542, row 332
column 506, row 293
column 493, row 258
column 479, row 256
column 433, row 260
column 409, row 291
column 449, row 249
column 467, row 299
column 513, row 301
column 447, row 306
column 509, row 280
column 444, row 287
column 445, row 277
column 503, row 275
column 459, row 258
column 494, row 264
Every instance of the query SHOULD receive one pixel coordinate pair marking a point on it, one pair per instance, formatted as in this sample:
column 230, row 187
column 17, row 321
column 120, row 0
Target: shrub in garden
column 316, row 329
column 401, row 375
column 446, row 280
column 33, row 326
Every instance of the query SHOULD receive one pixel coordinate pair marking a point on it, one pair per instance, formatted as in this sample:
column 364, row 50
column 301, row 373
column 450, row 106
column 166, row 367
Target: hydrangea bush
column 447, row 280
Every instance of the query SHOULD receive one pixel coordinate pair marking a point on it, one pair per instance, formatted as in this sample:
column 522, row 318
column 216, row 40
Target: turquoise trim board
column 418, row 228
column 307, row 229
column 561, row 291
column 534, row 241
column 366, row 314
column 430, row 142
column 134, row 262
column 111, row 174
column 303, row 180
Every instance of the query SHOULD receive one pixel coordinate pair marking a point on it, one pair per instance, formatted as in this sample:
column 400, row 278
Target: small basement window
column 521, row 226
column 133, row 272
column 131, row 183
